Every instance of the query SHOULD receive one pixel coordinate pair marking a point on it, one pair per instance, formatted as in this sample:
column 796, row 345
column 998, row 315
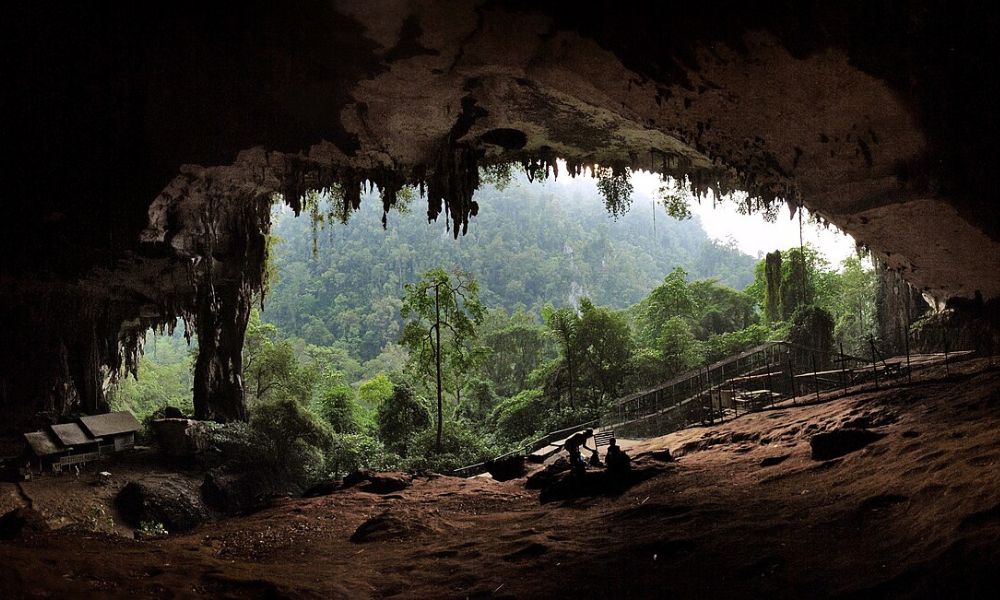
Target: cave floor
column 914, row 514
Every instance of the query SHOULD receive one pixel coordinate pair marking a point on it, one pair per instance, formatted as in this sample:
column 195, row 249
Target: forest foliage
column 556, row 311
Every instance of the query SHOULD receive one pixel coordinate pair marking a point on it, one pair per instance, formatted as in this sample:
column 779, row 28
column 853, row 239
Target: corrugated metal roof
column 109, row 424
column 42, row 444
column 70, row 434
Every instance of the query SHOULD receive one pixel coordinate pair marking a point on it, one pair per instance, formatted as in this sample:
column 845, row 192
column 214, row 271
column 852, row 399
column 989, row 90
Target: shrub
column 353, row 452
column 519, row 417
column 337, row 406
column 460, row 446
column 284, row 444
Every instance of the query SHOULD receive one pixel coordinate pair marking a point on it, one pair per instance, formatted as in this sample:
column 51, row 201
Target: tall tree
column 443, row 311
column 604, row 340
column 564, row 323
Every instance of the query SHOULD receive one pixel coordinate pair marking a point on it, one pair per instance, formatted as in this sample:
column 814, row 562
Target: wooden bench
column 603, row 438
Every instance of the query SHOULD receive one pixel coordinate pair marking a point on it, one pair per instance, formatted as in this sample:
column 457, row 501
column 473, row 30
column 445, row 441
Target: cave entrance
column 163, row 376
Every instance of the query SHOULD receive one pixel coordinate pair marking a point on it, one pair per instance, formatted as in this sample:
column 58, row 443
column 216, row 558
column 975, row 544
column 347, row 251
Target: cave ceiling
column 147, row 145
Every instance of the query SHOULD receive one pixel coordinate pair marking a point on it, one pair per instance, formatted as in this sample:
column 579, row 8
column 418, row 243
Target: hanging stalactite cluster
column 216, row 226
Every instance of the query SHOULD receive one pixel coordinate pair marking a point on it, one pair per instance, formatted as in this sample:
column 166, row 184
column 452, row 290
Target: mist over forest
column 530, row 245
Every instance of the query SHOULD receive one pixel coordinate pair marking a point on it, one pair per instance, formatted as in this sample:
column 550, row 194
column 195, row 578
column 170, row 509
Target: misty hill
column 531, row 244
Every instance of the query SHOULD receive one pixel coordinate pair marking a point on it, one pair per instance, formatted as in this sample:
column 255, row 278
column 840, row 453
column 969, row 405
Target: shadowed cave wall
column 147, row 145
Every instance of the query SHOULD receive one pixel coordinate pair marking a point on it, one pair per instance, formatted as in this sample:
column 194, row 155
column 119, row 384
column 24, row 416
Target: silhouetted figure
column 617, row 460
column 573, row 445
column 595, row 460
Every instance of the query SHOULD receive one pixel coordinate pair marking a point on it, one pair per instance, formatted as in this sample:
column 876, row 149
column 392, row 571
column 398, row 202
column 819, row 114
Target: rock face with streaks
column 149, row 148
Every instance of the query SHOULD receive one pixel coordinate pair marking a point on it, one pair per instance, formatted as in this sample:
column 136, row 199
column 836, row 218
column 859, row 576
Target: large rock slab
column 173, row 501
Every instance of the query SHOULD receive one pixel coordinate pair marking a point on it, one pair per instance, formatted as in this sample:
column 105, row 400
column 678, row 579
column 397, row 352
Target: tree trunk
column 223, row 313
column 572, row 381
column 437, row 362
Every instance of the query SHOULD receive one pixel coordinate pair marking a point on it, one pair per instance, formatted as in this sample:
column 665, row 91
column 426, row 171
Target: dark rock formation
column 323, row 488
column 544, row 477
column 384, row 527
column 568, row 485
column 179, row 437
column 507, row 468
column 236, row 493
column 662, row 455
column 386, row 483
column 19, row 521
column 150, row 147
column 897, row 306
column 833, row 444
column 172, row 501
column 355, row 477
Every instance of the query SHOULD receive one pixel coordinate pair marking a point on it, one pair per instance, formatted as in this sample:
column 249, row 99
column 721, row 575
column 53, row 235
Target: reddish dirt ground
column 914, row 514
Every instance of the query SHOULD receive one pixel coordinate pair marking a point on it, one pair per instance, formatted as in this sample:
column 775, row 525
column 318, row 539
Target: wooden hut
column 43, row 448
column 116, row 430
column 89, row 438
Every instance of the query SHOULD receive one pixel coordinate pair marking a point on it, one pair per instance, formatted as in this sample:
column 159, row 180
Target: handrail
column 697, row 372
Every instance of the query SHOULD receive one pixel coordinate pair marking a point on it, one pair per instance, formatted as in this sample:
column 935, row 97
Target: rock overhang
column 153, row 147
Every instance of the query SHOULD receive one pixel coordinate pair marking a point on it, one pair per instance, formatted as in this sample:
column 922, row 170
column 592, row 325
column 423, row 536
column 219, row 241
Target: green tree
column 604, row 340
column 854, row 306
column 337, row 405
column 443, row 311
column 517, row 345
column 678, row 347
column 564, row 323
column 519, row 417
column 373, row 392
column 400, row 417
column 270, row 366
column 672, row 298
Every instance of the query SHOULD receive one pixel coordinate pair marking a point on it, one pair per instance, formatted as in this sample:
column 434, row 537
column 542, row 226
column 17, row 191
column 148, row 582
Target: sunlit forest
column 402, row 347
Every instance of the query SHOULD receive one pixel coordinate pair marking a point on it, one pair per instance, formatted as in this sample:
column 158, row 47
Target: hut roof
column 70, row 434
column 42, row 444
column 109, row 424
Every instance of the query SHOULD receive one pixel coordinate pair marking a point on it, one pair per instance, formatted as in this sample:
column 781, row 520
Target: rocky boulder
column 235, row 493
column 546, row 476
column 386, row 526
column 386, row 483
column 180, row 437
column 20, row 521
column 506, row 468
column 173, row 501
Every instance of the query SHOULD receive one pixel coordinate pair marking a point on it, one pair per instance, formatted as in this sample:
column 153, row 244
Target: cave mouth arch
column 874, row 119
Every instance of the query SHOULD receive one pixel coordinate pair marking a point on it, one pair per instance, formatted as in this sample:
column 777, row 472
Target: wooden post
column 906, row 341
column 843, row 368
column 815, row 377
column 732, row 391
column 701, row 392
column 791, row 376
column 871, row 341
column 770, row 392
column 947, row 368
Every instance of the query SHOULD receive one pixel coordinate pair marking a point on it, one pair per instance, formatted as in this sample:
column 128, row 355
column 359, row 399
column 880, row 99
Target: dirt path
column 743, row 513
